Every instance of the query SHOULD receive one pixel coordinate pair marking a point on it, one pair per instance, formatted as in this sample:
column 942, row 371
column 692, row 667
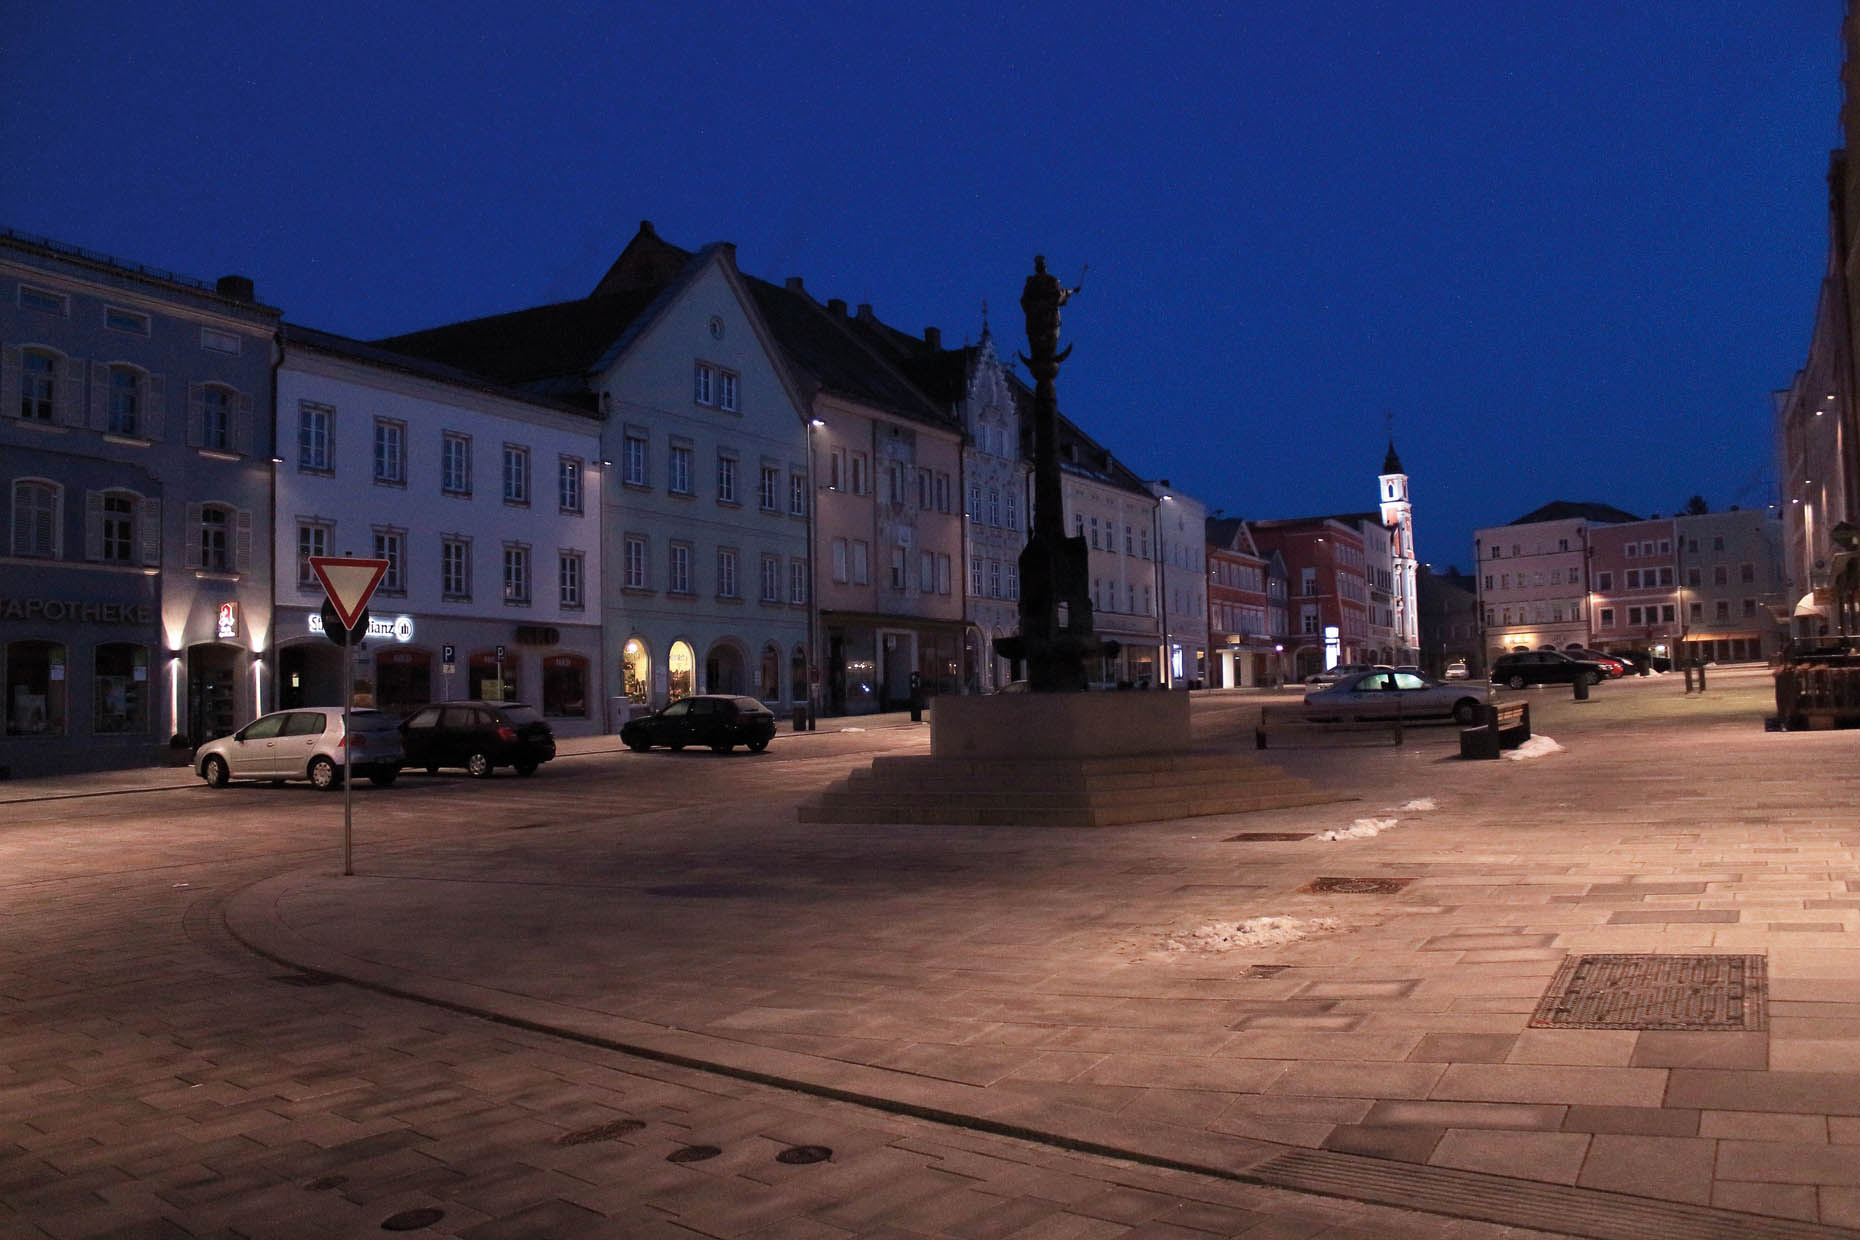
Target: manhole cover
column 692, row 1153
column 1356, row 886
column 1266, row 970
column 800, row 1155
column 412, row 1220
column 1648, row 992
column 305, row 979
column 707, row 891
column 601, row 1132
column 1269, row 837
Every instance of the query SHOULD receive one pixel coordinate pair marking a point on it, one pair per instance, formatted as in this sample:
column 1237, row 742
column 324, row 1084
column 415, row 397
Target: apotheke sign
column 400, row 628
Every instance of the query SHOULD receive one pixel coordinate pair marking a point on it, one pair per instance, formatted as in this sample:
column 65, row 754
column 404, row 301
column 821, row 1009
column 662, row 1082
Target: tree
column 1697, row 507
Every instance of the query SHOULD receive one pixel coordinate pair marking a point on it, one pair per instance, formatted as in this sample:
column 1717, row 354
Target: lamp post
column 814, row 660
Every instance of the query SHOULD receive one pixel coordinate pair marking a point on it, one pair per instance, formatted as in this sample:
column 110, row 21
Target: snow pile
column 1421, row 803
column 1361, row 829
column 1221, row 936
column 1536, row 747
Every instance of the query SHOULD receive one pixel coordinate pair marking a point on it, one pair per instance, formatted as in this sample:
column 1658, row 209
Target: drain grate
column 601, row 1132
column 1269, row 837
column 801, row 1155
column 692, row 1153
column 1266, row 970
column 1355, row 886
column 1653, row 992
column 412, row 1220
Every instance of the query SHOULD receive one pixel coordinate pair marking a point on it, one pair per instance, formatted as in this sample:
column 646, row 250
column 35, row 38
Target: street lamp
column 814, row 661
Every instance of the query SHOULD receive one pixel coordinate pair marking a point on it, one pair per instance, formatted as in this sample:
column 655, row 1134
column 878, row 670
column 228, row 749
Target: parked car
column 305, row 743
column 1456, row 670
column 1384, row 694
column 1543, row 667
column 720, row 720
column 1331, row 675
column 1614, row 665
column 479, row 736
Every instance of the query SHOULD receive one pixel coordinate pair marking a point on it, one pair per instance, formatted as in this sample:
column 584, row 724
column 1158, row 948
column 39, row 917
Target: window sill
column 729, row 503
column 455, row 598
column 516, row 602
column 218, row 454
column 682, row 594
column 729, row 600
column 398, row 484
column 214, row 574
column 644, row 488
column 450, row 494
column 638, row 592
column 515, row 503
column 570, row 512
column 49, row 428
column 687, row 496
column 127, row 441
column 323, row 471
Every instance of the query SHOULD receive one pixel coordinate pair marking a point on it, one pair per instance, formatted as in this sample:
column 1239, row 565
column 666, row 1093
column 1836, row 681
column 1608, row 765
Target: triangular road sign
column 350, row 583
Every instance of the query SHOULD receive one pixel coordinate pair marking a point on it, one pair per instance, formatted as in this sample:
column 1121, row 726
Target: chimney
column 933, row 336
column 237, row 288
column 646, row 230
column 836, row 305
column 865, row 312
column 794, row 285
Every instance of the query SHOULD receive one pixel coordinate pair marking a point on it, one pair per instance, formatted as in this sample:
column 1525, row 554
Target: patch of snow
column 1220, row 936
column 1361, row 829
column 852, row 729
column 1536, row 747
column 1421, row 803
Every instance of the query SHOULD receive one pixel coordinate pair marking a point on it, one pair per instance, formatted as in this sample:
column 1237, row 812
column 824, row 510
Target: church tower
column 1398, row 516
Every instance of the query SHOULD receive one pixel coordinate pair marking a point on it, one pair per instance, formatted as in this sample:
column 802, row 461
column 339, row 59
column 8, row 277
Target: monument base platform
column 1059, row 760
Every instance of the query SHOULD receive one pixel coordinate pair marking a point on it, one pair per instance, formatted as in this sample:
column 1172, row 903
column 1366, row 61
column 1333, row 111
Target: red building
column 1328, row 611
column 1241, row 643
column 1634, row 586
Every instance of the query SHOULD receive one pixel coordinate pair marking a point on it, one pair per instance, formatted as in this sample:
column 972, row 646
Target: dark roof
column 1391, row 464
column 1230, row 534
column 342, row 346
column 526, row 347
column 1567, row 510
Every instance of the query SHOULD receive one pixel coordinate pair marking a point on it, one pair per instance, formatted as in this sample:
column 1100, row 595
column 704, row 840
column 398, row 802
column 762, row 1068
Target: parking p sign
column 446, row 654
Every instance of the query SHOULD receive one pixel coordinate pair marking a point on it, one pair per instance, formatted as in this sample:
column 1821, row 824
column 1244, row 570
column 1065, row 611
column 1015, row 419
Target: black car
column 479, row 736
column 720, row 720
column 1544, row 667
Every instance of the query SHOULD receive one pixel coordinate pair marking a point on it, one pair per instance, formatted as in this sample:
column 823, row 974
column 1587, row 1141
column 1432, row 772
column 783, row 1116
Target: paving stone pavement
column 159, row 1080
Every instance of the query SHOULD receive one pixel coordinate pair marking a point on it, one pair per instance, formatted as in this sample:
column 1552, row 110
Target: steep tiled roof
column 1568, row 510
column 526, row 348
column 413, row 364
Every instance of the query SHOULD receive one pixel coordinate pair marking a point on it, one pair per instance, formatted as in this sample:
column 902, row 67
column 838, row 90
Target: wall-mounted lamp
column 816, row 422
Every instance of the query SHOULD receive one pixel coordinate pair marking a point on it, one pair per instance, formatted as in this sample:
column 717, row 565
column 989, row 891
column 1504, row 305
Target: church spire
column 1391, row 464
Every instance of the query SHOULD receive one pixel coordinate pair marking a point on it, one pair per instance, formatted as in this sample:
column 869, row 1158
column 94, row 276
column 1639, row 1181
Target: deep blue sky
column 1571, row 247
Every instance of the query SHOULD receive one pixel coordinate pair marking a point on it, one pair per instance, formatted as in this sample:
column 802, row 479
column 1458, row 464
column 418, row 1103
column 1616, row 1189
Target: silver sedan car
column 306, row 743
column 1386, row 693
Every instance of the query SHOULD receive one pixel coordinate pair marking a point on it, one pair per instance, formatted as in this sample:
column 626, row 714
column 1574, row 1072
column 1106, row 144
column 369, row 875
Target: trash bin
column 800, row 719
column 1582, row 687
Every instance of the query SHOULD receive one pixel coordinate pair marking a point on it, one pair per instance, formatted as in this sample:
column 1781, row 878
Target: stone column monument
column 1055, row 637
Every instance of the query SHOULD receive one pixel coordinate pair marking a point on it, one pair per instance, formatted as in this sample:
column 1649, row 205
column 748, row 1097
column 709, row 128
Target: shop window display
column 35, row 689
column 122, row 682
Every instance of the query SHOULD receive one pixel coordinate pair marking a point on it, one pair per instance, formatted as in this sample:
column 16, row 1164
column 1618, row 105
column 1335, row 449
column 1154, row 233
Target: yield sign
column 350, row 583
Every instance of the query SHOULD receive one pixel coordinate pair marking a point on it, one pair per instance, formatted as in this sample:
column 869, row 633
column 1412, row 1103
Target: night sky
column 1572, row 248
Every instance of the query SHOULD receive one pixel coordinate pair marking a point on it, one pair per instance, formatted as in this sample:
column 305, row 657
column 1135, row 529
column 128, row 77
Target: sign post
column 349, row 583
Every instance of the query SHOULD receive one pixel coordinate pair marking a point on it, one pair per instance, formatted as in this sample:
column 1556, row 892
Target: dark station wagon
column 720, row 720
column 479, row 736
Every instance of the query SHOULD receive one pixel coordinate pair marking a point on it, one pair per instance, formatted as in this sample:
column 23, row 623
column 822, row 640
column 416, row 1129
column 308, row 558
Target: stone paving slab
column 1035, row 983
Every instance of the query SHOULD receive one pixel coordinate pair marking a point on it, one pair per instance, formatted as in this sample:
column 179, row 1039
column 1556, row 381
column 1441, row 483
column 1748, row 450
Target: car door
column 456, row 737
column 419, row 736
column 254, row 751
column 1373, row 696
column 303, row 732
column 671, row 726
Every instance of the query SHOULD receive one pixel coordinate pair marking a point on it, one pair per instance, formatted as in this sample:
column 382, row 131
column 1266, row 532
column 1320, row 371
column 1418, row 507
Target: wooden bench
column 1507, row 725
column 1282, row 721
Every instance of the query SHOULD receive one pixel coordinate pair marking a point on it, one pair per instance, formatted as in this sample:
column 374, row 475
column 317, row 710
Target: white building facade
column 485, row 502
column 995, row 477
column 1404, row 563
column 1182, row 571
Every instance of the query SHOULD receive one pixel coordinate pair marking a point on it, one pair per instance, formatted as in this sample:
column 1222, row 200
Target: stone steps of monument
column 838, row 805
column 934, row 776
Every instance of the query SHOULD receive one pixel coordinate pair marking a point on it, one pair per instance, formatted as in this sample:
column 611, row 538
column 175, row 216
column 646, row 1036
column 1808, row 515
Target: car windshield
column 522, row 714
column 749, row 705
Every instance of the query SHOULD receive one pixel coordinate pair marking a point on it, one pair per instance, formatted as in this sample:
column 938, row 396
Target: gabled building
column 1242, row 642
column 1534, row 579
column 486, row 504
column 1634, row 587
column 1328, row 607
column 705, row 515
column 1732, row 586
column 136, row 456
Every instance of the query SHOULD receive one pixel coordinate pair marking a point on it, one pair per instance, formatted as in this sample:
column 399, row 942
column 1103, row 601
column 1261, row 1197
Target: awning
column 1807, row 606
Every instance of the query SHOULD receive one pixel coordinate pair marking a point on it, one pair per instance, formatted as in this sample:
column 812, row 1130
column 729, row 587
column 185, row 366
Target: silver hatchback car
column 306, row 743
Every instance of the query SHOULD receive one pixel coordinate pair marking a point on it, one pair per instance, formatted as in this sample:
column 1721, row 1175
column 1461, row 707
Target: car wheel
column 525, row 768
column 214, row 771
column 479, row 765
column 675, row 746
column 323, row 773
column 721, row 746
column 1595, row 678
column 639, row 746
column 432, row 770
column 384, row 779
column 1466, row 710
column 1516, row 682
column 757, row 746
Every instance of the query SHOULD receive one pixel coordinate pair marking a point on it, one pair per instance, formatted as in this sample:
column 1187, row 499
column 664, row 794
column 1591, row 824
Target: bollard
column 1701, row 677
column 1688, row 668
column 1582, row 687
column 801, row 723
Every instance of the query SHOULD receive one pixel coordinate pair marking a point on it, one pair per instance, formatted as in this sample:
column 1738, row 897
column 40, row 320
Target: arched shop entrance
column 403, row 679
column 680, row 665
column 565, row 687
column 724, row 671
column 212, row 688
column 309, row 674
column 768, row 683
column 635, row 671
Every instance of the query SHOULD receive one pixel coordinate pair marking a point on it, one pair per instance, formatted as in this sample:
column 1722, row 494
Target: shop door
column 212, row 681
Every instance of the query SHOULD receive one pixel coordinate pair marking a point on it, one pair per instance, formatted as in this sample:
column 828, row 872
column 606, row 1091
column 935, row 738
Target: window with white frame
column 455, row 567
column 771, row 579
column 861, row 562
column 568, row 483
column 568, row 578
column 125, row 399
column 726, row 572
column 926, row 572
column 941, row 497
column 517, row 477
column 975, row 577
column 797, row 581
column 38, row 385
column 703, row 384
column 635, row 563
column 391, row 545
column 994, row 579
column 768, row 493
column 312, row 540
column 315, row 424
column 836, row 470
column 633, row 460
column 726, row 391
column 841, row 561
column 678, row 576
column 1013, row 579
column 132, row 321
column 216, row 418
column 1013, row 509
column 897, row 568
column 861, row 474
column 455, row 463
column 726, row 479
column 517, row 573
column 678, row 472
column 390, row 452
column 797, row 495
column 31, row 298
column 37, row 518
column 116, row 527
column 214, row 539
